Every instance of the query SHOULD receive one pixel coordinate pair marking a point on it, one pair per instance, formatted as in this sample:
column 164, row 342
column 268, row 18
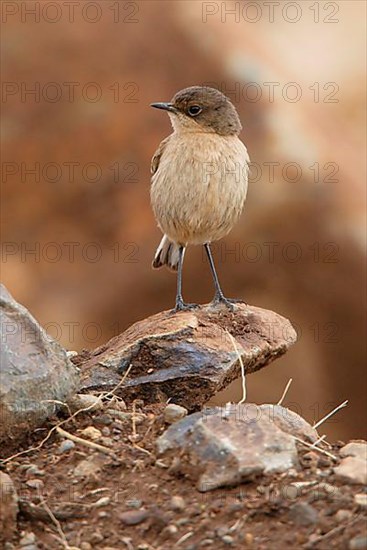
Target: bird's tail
column 168, row 253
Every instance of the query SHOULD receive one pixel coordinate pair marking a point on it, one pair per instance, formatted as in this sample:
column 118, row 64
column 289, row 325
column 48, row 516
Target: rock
column 177, row 503
column 343, row 515
column 103, row 501
column 35, row 484
column 172, row 413
column 27, row 539
column 65, row 446
column 361, row 500
column 303, row 514
column 84, row 401
column 352, row 470
column 290, row 422
column 192, row 353
column 355, row 448
column 227, row 539
column 89, row 467
column 358, row 543
column 91, row 433
column 226, row 446
column 8, row 507
column 133, row 517
column 34, row 371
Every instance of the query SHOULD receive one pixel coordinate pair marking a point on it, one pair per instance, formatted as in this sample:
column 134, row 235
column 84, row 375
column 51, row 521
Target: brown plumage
column 199, row 173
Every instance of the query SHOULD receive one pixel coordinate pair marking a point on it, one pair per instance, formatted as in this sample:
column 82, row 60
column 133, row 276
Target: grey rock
column 352, row 470
column 27, row 539
column 133, row 517
column 361, row 500
column 177, row 503
column 172, row 413
column 358, row 543
column 290, row 422
column 84, row 401
column 34, row 371
column 188, row 356
column 65, row 446
column 303, row 514
column 8, row 506
column 226, row 446
column 357, row 449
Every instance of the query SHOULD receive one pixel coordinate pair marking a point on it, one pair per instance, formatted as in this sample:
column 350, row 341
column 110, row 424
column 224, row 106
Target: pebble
column 171, row 530
column 86, row 546
column 135, row 503
column 84, row 401
column 227, row 539
column 35, row 483
column 343, row 515
column 103, row 501
column 177, row 503
column 249, row 539
column 206, row 542
column 172, row 413
column 352, row 469
column 65, row 446
column 361, row 500
column 27, row 539
column 91, row 433
column 358, row 543
column 33, row 470
column 302, row 513
column 134, row 517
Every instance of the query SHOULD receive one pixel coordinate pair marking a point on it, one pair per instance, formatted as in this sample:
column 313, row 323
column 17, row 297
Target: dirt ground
column 128, row 498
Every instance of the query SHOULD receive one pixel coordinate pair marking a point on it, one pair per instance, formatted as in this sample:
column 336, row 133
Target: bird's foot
column 182, row 306
column 230, row 303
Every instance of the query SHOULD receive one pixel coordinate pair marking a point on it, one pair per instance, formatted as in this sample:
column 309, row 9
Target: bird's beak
column 164, row 106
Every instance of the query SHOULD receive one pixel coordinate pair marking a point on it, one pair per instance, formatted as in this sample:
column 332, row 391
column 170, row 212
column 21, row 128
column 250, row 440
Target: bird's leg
column 219, row 297
column 180, row 304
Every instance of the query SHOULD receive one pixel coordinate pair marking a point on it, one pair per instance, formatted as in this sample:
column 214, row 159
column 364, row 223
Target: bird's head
column 202, row 109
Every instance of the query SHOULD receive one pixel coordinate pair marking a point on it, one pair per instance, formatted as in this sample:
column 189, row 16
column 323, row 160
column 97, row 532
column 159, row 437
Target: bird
column 199, row 180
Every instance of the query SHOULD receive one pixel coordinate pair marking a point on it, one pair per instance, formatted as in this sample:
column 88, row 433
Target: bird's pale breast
column 200, row 186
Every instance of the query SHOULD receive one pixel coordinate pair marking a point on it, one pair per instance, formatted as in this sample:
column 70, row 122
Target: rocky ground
column 73, row 495
column 96, row 453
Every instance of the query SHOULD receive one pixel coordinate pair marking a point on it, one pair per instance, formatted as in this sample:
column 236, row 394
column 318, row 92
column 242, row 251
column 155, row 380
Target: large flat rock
column 35, row 371
column 188, row 356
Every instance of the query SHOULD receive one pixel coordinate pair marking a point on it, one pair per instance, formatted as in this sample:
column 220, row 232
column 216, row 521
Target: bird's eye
column 194, row 110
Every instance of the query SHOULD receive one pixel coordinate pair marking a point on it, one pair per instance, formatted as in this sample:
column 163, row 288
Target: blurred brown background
column 78, row 234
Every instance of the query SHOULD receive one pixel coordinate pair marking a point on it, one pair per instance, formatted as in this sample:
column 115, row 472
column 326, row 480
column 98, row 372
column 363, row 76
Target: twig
column 330, row 533
column 85, row 409
column 242, row 369
column 344, row 404
column 55, row 522
column 85, row 442
column 315, row 448
column 285, row 391
column 184, row 538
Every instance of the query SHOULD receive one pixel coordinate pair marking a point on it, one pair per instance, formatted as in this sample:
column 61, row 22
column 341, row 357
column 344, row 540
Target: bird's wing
column 157, row 155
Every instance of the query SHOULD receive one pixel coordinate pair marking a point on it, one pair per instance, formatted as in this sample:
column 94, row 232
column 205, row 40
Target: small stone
column 34, row 471
column 86, row 546
column 227, row 539
column 89, row 467
column 206, row 542
column 177, row 503
column 82, row 401
column 361, row 500
column 27, row 539
column 249, row 539
column 343, row 515
column 355, row 448
column 135, row 503
column 103, row 501
column 65, row 446
column 8, row 506
column 134, row 517
column 91, row 433
column 304, row 514
column 172, row 413
column 106, row 431
column 352, row 470
column 35, row 484
column 358, row 543
column 171, row 530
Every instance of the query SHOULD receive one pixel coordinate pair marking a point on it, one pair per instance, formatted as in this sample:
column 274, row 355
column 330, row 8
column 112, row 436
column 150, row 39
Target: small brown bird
column 199, row 179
